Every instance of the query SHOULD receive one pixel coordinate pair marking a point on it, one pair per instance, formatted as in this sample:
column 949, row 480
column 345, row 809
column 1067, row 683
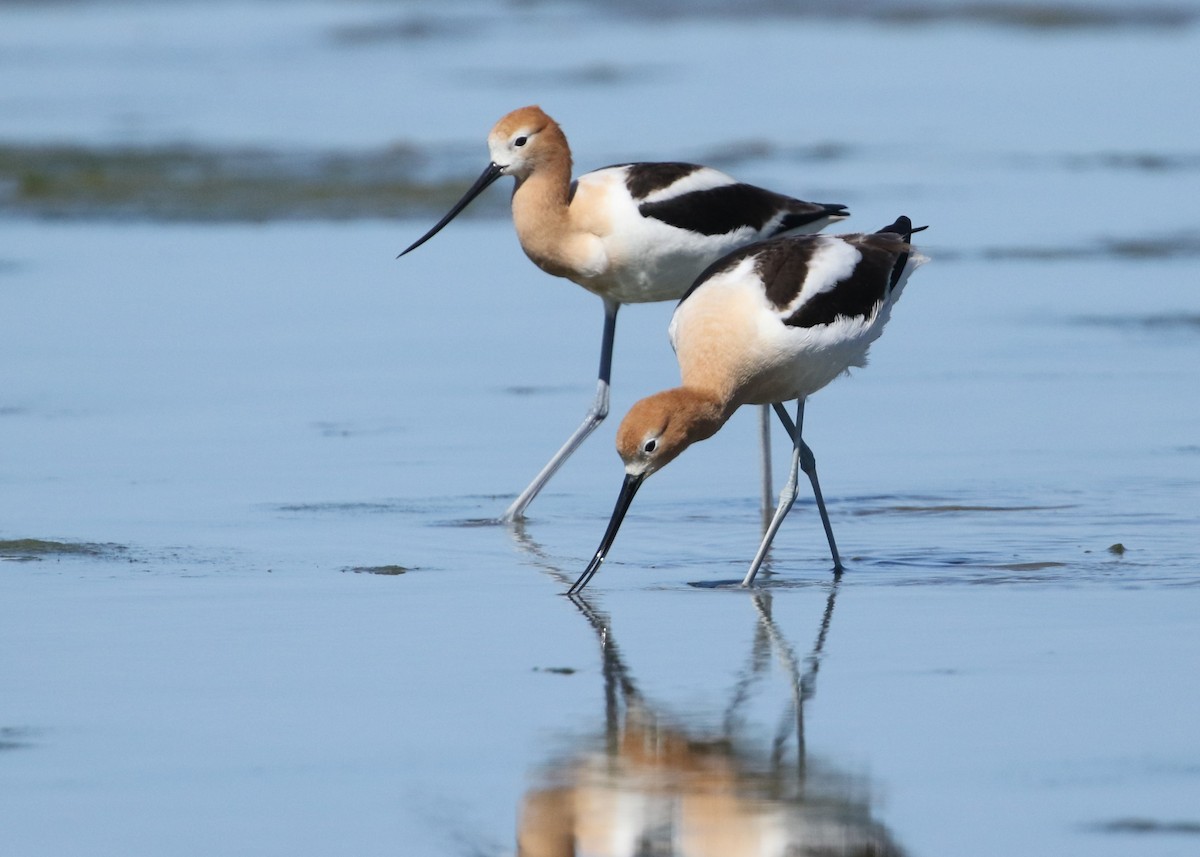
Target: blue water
column 244, row 421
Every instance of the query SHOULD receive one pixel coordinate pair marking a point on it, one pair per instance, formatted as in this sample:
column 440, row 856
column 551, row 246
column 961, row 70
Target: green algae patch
column 1182, row 245
column 196, row 183
column 15, row 738
column 1064, row 16
column 32, row 550
column 385, row 570
column 1155, row 322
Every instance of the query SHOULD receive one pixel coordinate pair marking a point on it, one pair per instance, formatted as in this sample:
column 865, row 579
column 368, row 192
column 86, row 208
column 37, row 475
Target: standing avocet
column 764, row 325
column 631, row 233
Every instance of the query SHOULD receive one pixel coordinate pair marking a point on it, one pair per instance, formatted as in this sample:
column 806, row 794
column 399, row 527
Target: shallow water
column 250, row 598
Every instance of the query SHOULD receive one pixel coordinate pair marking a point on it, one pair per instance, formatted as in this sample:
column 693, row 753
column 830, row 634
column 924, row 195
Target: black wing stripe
column 783, row 266
column 644, row 179
column 857, row 296
column 718, row 210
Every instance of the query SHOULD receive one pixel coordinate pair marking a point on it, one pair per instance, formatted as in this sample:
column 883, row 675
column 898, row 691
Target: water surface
column 250, row 598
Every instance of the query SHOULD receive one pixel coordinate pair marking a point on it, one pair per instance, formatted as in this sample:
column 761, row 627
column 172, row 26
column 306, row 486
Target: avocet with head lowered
column 766, row 324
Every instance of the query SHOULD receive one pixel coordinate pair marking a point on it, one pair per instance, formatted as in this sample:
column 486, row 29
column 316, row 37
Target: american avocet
column 631, row 233
column 766, row 324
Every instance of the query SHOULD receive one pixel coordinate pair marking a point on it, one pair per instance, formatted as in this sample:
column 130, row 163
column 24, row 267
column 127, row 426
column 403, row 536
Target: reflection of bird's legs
column 760, row 653
column 618, row 686
column 808, row 682
column 803, row 686
column 787, row 658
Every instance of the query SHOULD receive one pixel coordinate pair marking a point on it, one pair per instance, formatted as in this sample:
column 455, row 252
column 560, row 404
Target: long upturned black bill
column 489, row 175
column 628, row 488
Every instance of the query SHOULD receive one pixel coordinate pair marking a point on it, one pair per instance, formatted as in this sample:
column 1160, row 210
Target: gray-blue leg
column 808, row 463
column 786, row 498
column 802, row 459
column 595, row 416
column 764, row 430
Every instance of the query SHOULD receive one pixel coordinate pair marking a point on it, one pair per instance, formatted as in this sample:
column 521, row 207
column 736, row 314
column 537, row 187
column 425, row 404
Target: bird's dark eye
column 650, row 446
column 520, row 141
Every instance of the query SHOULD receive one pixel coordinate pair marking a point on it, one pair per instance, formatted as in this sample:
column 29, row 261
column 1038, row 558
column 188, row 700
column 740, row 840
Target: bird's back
column 781, row 319
column 661, row 224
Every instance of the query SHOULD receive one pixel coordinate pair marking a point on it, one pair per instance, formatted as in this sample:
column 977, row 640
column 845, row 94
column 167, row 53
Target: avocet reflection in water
column 651, row 785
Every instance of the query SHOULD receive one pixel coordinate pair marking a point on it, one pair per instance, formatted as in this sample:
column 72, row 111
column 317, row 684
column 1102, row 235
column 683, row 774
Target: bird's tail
column 904, row 228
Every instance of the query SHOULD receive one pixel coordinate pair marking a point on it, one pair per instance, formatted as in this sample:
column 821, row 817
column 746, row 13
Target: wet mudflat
column 251, row 598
